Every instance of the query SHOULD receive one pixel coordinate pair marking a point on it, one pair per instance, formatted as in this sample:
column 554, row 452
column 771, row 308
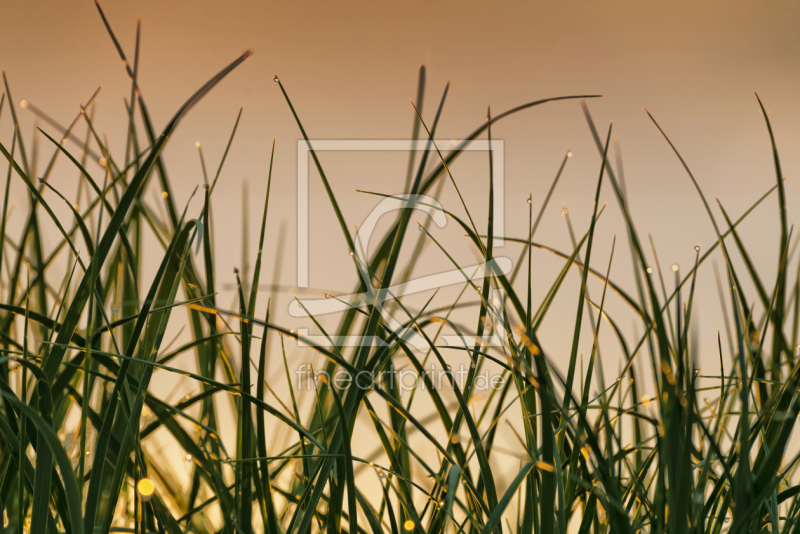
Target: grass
column 704, row 454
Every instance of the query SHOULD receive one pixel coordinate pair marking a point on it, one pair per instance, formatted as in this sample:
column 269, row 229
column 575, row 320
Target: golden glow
column 23, row 103
column 408, row 525
column 164, row 195
column 544, row 466
column 675, row 267
column 197, row 144
column 145, row 488
column 102, row 162
column 645, row 399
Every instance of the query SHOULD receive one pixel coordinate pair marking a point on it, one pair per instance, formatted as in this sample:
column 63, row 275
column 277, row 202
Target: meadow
column 659, row 447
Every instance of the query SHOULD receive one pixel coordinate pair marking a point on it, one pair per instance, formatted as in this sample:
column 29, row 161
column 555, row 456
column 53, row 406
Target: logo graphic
column 376, row 296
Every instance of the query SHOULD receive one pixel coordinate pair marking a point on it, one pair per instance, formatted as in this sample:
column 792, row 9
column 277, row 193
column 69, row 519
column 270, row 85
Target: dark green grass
column 704, row 454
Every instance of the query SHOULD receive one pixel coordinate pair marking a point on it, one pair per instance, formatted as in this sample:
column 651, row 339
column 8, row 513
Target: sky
column 350, row 69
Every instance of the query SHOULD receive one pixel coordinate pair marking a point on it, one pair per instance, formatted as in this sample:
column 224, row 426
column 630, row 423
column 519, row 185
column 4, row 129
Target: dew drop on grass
column 275, row 79
column 649, row 270
column 351, row 254
column 188, row 457
column 564, row 211
column 530, row 201
column 675, row 267
column 145, row 489
column 697, row 248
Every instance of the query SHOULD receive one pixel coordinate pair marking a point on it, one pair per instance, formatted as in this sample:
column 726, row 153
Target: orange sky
column 350, row 68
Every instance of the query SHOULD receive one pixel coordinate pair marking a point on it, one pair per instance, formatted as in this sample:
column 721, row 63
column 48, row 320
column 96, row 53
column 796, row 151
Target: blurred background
column 350, row 69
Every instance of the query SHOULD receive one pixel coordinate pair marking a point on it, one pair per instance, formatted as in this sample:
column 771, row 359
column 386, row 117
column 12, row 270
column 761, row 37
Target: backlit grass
column 660, row 447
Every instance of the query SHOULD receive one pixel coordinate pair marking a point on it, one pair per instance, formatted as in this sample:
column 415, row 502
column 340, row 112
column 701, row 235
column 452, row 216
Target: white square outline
column 387, row 145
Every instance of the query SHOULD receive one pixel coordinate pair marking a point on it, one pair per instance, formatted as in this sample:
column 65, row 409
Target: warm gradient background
column 350, row 68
